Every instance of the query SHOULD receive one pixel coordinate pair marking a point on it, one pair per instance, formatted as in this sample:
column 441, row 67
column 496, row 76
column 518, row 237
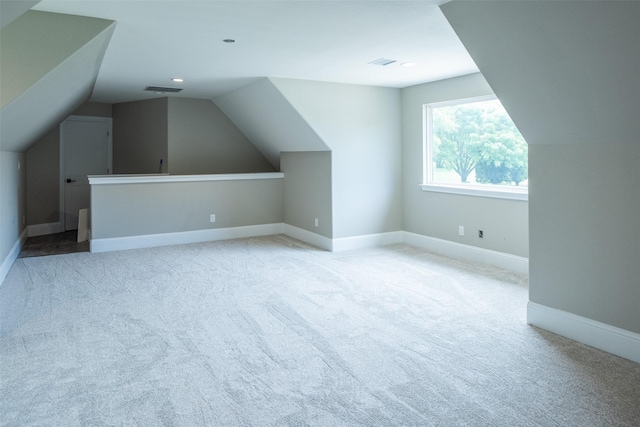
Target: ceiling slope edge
column 68, row 51
column 269, row 120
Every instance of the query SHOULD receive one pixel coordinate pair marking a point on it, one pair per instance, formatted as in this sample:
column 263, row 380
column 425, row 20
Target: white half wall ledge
column 44, row 229
column 184, row 237
column 12, row 255
column 596, row 334
column 157, row 178
column 502, row 260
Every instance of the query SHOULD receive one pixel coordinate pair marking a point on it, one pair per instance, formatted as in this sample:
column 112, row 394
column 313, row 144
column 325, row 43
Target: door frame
column 63, row 170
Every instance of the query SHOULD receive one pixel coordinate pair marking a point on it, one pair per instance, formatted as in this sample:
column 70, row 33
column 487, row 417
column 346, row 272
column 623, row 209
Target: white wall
column 202, row 140
column 568, row 75
column 12, row 207
column 361, row 126
column 504, row 222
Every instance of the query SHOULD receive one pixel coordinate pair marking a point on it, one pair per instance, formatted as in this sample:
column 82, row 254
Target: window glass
column 475, row 144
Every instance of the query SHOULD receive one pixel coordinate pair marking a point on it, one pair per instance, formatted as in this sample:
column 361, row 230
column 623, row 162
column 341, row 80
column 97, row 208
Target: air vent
column 163, row 89
column 382, row 61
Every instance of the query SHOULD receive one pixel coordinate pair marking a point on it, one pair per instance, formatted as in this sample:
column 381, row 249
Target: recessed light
column 177, row 80
column 408, row 64
column 229, row 40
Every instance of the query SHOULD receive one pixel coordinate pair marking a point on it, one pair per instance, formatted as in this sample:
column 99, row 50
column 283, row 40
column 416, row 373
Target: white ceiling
column 312, row 40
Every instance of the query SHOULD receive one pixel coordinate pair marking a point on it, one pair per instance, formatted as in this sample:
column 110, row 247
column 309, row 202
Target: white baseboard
column 308, row 237
column 498, row 259
column 12, row 255
column 596, row 334
column 44, row 229
column 180, row 238
column 510, row 262
column 367, row 241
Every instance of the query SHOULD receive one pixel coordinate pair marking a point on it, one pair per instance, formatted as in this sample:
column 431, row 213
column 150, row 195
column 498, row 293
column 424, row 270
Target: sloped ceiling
column 565, row 71
column 270, row 122
column 10, row 10
column 49, row 66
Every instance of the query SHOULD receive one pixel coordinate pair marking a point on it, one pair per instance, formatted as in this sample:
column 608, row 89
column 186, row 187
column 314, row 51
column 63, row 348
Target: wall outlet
column 461, row 230
column 212, row 218
column 480, row 234
column 315, row 222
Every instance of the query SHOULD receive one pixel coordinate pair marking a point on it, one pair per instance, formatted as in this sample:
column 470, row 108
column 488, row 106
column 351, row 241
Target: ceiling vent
column 163, row 89
column 382, row 61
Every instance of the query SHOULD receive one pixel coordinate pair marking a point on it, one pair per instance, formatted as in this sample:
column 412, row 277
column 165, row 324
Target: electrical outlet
column 316, row 222
column 212, row 218
column 481, row 234
column 461, row 230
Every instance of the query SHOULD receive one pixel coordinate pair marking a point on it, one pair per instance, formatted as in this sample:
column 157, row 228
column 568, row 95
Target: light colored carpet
column 272, row 332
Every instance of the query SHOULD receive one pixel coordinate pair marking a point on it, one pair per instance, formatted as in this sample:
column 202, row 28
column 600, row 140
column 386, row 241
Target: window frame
column 480, row 190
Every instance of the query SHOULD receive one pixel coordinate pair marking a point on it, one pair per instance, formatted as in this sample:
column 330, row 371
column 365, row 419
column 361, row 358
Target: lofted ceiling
column 335, row 41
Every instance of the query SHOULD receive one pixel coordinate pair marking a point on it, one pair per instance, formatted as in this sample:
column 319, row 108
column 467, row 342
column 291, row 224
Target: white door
column 86, row 150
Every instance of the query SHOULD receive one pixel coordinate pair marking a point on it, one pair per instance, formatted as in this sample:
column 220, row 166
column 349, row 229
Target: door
column 86, row 150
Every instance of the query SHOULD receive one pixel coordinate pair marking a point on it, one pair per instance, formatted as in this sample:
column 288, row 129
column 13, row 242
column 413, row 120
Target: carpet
column 269, row 331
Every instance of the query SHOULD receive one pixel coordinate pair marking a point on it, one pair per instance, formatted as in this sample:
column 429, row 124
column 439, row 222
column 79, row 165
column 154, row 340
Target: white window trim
column 479, row 190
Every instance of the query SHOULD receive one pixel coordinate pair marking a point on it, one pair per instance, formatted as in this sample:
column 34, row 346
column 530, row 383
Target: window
column 473, row 147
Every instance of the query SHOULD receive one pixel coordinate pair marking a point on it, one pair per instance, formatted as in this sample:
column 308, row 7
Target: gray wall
column 361, row 126
column 12, row 200
column 140, row 209
column 43, row 170
column 573, row 91
column 504, row 222
column 202, row 140
column 43, row 180
column 307, row 190
column 140, row 137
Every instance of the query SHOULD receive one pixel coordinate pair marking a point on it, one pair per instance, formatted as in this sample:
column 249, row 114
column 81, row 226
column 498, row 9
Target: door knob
column 70, row 180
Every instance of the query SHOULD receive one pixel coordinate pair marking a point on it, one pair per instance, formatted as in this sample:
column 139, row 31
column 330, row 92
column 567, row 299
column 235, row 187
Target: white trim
column 12, row 255
column 367, row 241
column 510, row 262
column 184, row 237
column 507, row 192
column 44, row 229
column 308, row 237
column 156, row 178
column 596, row 334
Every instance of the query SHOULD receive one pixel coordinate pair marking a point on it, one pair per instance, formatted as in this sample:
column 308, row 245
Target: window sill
column 478, row 191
